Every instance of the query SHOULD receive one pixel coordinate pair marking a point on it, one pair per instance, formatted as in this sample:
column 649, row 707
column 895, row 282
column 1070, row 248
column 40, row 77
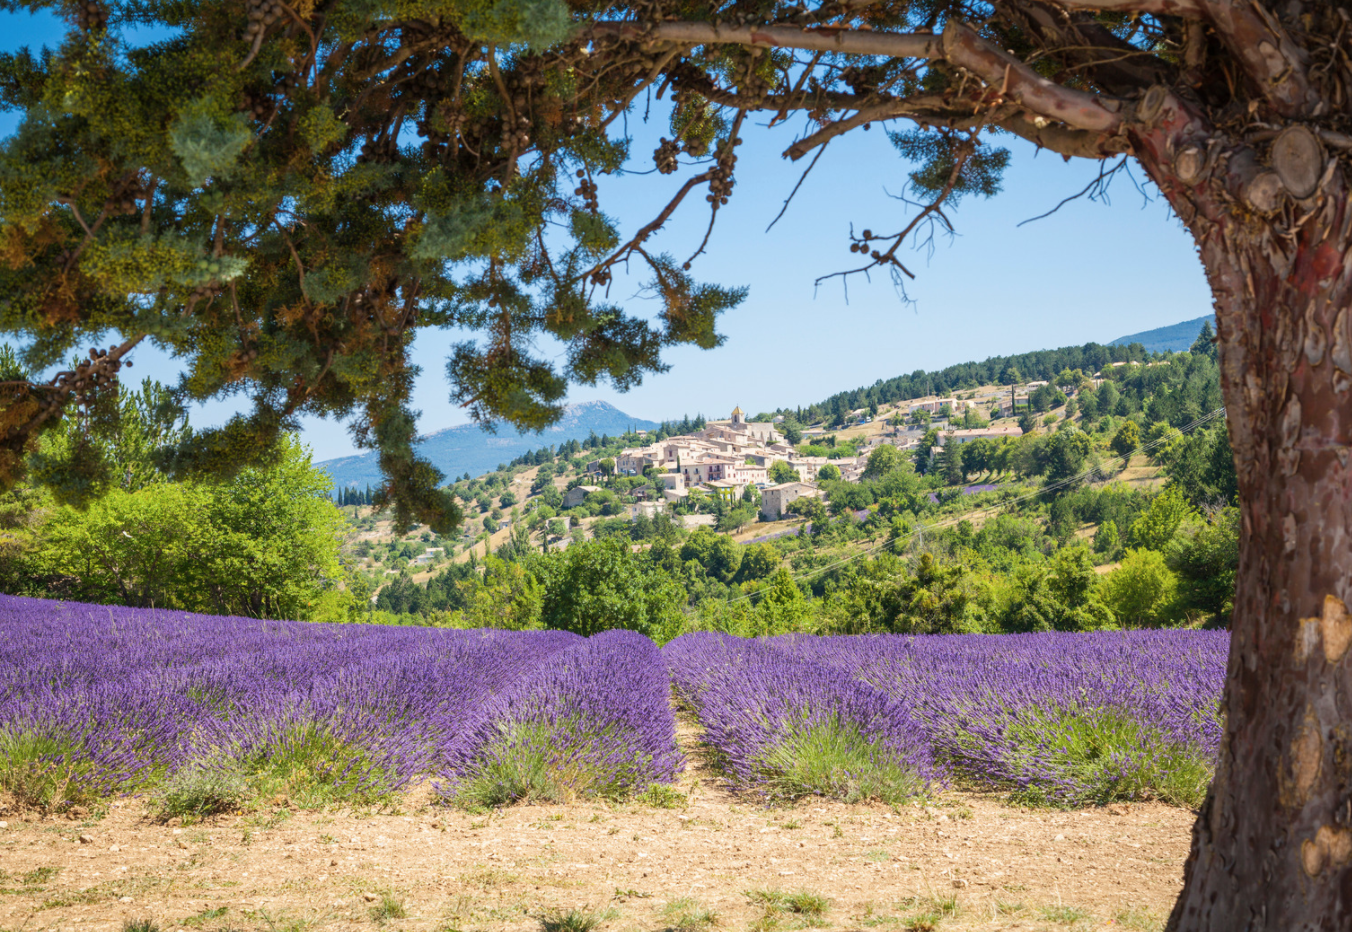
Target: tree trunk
column 1272, row 847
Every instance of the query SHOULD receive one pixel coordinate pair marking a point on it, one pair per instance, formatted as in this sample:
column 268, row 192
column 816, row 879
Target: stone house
column 578, row 494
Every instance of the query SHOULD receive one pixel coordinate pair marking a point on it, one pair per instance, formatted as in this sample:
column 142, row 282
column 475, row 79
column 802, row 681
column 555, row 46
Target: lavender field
column 1056, row 718
column 201, row 713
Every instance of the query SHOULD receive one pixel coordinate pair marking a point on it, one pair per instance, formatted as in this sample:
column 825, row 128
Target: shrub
column 571, row 921
column 389, row 907
column 1141, row 591
column 200, row 790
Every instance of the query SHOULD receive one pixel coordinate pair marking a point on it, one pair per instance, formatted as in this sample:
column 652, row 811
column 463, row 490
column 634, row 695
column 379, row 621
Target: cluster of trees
column 264, row 543
column 353, row 496
column 1043, row 365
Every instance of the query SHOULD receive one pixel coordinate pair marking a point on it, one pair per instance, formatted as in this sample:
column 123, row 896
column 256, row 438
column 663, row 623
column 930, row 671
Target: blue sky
column 1092, row 271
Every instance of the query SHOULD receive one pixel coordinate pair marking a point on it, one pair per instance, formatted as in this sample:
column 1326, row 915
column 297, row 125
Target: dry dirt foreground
column 962, row 861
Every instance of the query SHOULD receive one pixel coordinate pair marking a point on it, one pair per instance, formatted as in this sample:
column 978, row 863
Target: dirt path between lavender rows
column 962, row 861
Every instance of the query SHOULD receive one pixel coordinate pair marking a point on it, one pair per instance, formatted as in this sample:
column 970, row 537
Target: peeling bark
column 1272, row 848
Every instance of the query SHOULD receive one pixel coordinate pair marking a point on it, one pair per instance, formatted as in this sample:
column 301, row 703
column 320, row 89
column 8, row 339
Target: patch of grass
column 926, row 913
column 685, row 914
column 200, row 790
column 1108, row 756
column 802, row 902
column 311, row 767
column 133, row 885
column 281, row 923
column 662, row 796
column 487, row 878
column 790, row 824
column 534, row 762
column 389, row 907
column 140, row 925
column 836, row 759
column 805, row 903
column 39, row 876
column 877, row 854
column 1139, row 920
column 1006, row 908
column 573, row 920
column 205, row 916
column 1065, row 915
column 51, row 774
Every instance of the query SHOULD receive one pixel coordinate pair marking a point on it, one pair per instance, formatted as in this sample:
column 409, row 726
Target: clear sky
column 1090, row 272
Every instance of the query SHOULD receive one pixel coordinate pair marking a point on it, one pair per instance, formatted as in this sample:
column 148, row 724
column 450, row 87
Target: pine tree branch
column 959, row 45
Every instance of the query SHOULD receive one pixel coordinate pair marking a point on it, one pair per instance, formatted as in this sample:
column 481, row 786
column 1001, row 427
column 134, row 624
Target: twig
column 801, row 179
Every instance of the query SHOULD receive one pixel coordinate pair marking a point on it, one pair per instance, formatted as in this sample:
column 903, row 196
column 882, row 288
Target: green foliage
column 685, row 914
column 571, row 921
column 1205, row 344
column 758, row 561
column 47, row 772
column 1141, row 591
column 1127, row 439
column 1101, row 751
column 939, row 154
column 388, row 907
column 119, row 445
column 804, row 903
column 1107, row 539
column 285, row 221
column 662, row 796
column 882, row 461
column 834, row 759
column 536, row 23
column 781, row 472
column 719, row 555
column 199, row 790
column 208, row 140
column 829, row 473
column 264, row 544
column 602, row 584
column 1159, row 523
column 1206, row 564
column 506, row 595
column 782, row 607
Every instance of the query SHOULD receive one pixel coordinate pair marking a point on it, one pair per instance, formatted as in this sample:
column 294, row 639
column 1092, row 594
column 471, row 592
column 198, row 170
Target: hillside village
column 732, row 475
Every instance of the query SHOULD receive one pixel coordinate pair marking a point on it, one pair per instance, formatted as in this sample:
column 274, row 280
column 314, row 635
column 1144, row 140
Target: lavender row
column 595, row 720
column 792, row 727
column 1068, row 718
column 96, row 700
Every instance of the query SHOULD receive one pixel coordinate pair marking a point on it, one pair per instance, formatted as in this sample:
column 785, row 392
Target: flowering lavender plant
column 96, row 700
column 792, row 727
column 1061, row 718
column 595, row 720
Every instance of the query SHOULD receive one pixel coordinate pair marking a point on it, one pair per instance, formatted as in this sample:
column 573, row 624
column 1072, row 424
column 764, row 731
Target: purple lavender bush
column 96, row 700
column 787, row 727
column 594, row 721
column 1060, row 718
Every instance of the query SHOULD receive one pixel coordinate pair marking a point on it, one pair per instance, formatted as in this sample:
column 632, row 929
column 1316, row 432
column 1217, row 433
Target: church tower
column 737, row 419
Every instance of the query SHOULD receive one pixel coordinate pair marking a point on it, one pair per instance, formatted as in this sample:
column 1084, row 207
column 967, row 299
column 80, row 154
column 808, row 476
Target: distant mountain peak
column 1174, row 338
column 468, row 448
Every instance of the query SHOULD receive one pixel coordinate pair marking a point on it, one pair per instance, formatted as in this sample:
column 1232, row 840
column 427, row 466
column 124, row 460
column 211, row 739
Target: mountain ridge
column 468, row 448
column 1173, row 338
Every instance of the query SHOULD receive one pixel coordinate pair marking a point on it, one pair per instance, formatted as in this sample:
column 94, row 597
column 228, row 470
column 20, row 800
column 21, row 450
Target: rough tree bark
column 1272, row 848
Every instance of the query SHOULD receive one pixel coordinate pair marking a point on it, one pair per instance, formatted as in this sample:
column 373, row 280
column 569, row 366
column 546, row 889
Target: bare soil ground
column 960, row 861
